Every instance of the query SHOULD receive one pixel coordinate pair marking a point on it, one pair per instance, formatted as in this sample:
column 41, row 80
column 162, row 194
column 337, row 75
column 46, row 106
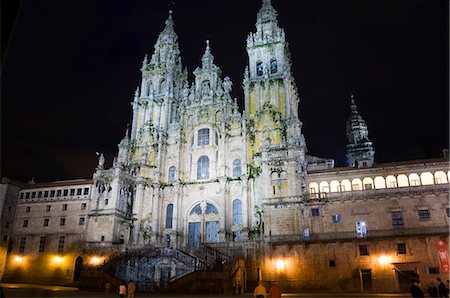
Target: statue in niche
column 227, row 84
column 101, row 161
column 205, row 88
column 185, row 93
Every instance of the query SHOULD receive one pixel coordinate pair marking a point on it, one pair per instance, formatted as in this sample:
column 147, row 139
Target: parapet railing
column 351, row 235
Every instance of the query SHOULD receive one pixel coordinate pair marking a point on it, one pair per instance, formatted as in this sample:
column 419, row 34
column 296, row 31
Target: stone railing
column 332, row 236
column 351, row 194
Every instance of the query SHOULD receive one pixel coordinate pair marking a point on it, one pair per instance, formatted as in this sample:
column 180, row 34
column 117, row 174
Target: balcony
column 371, row 235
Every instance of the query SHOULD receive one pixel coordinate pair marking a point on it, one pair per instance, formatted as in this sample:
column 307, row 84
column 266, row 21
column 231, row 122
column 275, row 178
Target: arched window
column 273, row 66
column 259, row 69
column 203, row 137
column 172, row 174
column 206, row 86
column 149, row 87
column 203, row 168
column 237, row 212
column 162, row 86
column 236, row 168
column 169, row 216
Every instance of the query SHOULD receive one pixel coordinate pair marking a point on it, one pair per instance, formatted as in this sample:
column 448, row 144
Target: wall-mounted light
column 280, row 265
column 95, row 260
column 57, row 260
column 384, row 260
column 18, row 260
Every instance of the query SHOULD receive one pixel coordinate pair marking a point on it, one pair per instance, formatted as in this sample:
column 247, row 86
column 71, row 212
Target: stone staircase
column 165, row 269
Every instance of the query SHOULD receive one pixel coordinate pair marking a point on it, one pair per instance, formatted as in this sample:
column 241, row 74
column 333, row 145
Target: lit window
column 368, row 186
column 259, row 69
column 312, row 190
column 172, row 174
column 424, row 214
column 361, row 229
column 363, row 250
column 203, row 137
column 203, row 168
column 236, row 167
column 401, row 248
column 414, row 182
column 355, row 186
column 336, row 218
column 315, row 212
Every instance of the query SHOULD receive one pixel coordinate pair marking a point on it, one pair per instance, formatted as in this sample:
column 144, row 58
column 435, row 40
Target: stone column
column 138, row 211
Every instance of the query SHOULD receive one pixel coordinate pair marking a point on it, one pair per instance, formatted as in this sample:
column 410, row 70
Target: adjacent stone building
column 194, row 170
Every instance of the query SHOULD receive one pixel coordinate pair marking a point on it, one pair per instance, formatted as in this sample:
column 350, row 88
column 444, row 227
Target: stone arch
column 334, row 186
column 203, row 224
column 391, row 181
column 427, row 178
column 357, row 184
column 414, row 179
column 346, row 185
column 379, row 182
column 313, row 187
column 440, row 177
column 402, row 180
column 368, row 183
column 324, row 186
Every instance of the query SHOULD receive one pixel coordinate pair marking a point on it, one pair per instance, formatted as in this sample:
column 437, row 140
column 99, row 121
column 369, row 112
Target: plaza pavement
column 38, row 291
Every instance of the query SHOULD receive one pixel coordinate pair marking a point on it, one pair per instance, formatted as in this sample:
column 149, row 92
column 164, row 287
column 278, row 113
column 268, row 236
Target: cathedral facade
column 193, row 170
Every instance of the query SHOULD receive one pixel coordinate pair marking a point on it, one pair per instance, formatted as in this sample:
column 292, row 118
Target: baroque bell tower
column 276, row 147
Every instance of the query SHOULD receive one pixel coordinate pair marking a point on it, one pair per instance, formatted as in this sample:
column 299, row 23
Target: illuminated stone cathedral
column 197, row 185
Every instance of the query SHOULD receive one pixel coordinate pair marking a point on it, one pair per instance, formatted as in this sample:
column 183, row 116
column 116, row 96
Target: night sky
column 70, row 68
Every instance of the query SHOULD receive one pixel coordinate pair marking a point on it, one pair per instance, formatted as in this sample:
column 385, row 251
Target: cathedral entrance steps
column 202, row 282
column 95, row 279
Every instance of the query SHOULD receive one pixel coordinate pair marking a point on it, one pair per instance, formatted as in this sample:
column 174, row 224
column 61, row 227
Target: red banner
column 442, row 251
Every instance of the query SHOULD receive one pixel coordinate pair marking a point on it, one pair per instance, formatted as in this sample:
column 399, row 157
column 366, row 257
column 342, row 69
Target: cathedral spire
column 207, row 58
column 166, row 48
column 359, row 148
